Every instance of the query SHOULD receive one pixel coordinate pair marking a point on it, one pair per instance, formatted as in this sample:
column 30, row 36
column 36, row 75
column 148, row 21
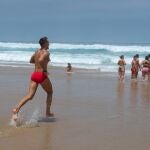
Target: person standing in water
column 40, row 76
column 138, row 66
column 69, row 68
column 133, row 68
column 146, row 68
column 121, row 69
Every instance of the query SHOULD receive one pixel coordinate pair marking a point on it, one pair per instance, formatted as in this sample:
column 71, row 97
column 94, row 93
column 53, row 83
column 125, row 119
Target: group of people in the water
column 136, row 66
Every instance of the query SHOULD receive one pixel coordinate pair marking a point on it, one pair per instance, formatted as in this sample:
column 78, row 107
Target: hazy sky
column 109, row 21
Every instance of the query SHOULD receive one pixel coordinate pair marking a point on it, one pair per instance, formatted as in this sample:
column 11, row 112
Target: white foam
column 13, row 56
column 18, row 45
column 29, row 123
column 113, row 48
column 18, row 122
column 64, row 53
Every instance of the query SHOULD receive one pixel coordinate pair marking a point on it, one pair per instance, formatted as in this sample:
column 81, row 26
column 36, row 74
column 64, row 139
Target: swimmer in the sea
column 69, row 68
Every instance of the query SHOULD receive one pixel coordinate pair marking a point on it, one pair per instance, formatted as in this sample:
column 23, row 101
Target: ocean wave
column 94, row 56
column 61, row 46
column 113, row 48
column 15, row 56
column 18, row 45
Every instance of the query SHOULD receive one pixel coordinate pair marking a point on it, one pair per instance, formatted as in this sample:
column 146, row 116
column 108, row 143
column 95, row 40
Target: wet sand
column 93, row 111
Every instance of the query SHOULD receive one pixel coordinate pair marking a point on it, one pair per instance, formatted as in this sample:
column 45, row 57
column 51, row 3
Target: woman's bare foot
column 49, row 115
column 14, row 114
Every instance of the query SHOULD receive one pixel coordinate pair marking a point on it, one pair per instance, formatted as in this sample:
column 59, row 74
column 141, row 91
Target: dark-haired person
column 133, row 68
column 69, row 68
column 145, row 68
column 40, row 76
column 121, row 69
column 138, row 66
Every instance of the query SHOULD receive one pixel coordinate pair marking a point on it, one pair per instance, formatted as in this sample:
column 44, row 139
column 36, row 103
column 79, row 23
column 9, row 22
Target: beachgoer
column 138, row 66
column 40, row 76
column 121, row 69
column 69, row 67
column 145, row 67
column 133, row 68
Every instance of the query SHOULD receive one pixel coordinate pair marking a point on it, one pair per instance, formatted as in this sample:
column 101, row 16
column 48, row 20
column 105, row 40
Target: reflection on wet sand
column 145, row 94
column 47, row 132
column 134, row 94
column 120, row 94
column 47, row 141
column 120, row 90
column 139, row 95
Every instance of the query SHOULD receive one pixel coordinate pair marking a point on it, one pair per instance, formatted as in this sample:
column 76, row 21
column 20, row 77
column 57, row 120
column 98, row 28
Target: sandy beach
column 93, row 111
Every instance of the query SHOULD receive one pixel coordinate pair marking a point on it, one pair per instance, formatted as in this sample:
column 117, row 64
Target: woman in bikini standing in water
column 121, row 69
column 40, row 76
column 134, row 68
column 146, row 68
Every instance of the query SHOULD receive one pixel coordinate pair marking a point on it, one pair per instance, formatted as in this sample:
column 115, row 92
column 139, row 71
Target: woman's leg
column 32, row 90
column 143, row 75
column 137, row 72
column 119, row 74
column 47, row 86
column 133, row 76
column 122, row 75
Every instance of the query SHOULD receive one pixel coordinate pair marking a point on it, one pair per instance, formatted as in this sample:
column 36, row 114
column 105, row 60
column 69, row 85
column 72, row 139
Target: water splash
column 29, row 123
column 33, row 121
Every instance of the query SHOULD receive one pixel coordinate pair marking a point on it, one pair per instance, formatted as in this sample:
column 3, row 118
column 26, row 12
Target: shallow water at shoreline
column 91, row 109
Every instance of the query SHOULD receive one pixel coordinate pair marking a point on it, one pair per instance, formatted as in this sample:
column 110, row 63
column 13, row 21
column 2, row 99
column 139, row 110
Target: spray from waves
column 95, row 56
column 113, row 48
column 18, row 45
column 61, row 46
column 30, row 123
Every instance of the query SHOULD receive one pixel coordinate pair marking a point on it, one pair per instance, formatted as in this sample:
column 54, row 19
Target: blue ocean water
column 90, row 56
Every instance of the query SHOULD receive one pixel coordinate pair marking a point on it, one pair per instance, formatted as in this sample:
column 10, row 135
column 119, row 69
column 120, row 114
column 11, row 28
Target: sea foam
column 113, row 48
column 90, row 56
column 29, row 123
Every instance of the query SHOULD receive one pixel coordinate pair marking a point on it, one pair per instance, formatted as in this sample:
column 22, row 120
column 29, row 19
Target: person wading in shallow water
column 138, row 66
column 69, row 68
column 121, row 68
column 40, row 76
column 134, row 68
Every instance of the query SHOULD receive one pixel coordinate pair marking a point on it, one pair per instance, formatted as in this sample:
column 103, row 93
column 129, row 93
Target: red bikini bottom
column 38, row 77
